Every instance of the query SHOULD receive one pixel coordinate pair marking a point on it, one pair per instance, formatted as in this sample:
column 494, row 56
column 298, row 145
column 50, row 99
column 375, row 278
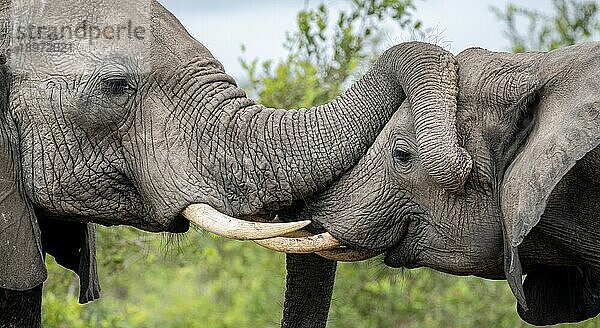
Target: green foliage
column 325, row 52
column 570, row 22
column 214, row 283
column 220, row 283
column 61, row 309
column 419, row 298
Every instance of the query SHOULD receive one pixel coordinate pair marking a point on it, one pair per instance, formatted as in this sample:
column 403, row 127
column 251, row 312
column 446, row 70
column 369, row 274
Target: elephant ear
column 73, row 245
column 565, row 126
column 21, row 259
column 561, row 294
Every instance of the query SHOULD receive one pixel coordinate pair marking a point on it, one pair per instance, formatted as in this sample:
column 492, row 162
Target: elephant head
column 113, row 114
column 532, row 126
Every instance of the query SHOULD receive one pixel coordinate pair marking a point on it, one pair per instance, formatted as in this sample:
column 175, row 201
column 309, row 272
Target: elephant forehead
column 74, row 36
column 89, row 29
column 71, row 36
column 401, row 122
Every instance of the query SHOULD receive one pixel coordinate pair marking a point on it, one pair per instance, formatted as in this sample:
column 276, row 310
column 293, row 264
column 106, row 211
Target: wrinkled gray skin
column 531, row 123
column 122, row 134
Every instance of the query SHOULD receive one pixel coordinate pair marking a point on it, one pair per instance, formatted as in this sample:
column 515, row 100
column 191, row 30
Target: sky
column 224, row 25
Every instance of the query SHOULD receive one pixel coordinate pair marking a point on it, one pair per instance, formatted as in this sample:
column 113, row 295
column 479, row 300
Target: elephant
column 113, row 114
column 531, row 125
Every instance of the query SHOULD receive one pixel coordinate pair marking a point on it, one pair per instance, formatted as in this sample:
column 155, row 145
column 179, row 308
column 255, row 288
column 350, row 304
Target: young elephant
column 113, row 114
column 531, row 123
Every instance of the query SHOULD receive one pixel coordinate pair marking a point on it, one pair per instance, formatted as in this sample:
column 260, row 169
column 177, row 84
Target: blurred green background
column 199, row 280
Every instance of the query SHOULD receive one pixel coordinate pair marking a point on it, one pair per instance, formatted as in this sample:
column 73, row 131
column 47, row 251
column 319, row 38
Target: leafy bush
column 570, row 22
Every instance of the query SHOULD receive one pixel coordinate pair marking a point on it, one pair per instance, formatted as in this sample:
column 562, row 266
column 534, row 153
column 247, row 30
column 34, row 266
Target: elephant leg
column 309, row 286
column 20, row 309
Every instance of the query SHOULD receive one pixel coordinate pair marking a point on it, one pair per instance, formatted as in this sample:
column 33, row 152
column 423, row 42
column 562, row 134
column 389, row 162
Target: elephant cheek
column 367, row 230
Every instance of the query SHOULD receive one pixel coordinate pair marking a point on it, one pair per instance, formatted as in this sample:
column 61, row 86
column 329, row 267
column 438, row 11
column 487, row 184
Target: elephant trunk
column 309, row 287
column 434, row 111
column 305, row 150
column 268, row 158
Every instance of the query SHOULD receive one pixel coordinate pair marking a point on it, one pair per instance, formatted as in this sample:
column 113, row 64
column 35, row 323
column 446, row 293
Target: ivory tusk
column 207, row 218
column 347, row 255
column 309, row 244
column 340, row 253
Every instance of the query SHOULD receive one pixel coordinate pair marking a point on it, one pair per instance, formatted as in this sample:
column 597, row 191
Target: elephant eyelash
column 401, row 155
column 117, row 86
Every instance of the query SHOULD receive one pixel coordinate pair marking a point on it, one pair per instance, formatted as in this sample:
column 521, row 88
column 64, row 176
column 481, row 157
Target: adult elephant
column 531, row 123
column 113, row 114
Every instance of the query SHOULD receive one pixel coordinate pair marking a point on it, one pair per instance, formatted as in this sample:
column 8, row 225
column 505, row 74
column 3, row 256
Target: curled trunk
column 435, row 127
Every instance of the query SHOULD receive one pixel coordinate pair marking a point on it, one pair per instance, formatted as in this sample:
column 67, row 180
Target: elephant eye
column 117, row 86
column 401, row 155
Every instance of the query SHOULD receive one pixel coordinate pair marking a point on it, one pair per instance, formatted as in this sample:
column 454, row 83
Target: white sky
column 223, row 25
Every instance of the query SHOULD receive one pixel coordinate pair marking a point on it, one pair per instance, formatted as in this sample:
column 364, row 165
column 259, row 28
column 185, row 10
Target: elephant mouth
column 287, row 237
column 396, row 257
